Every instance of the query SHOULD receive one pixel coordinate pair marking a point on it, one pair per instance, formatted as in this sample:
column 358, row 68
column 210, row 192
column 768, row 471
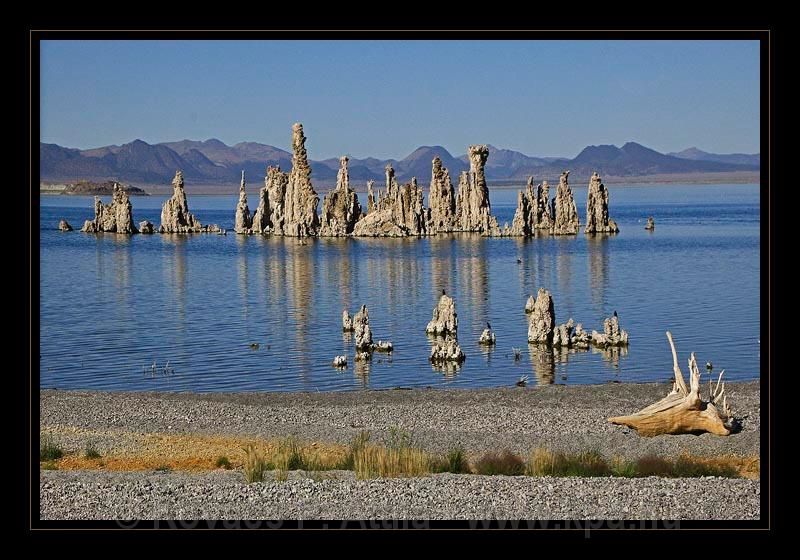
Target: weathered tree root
column 682, row 411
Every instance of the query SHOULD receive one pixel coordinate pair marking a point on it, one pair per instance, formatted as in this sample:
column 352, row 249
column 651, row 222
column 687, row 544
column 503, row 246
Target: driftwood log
column 682, row 411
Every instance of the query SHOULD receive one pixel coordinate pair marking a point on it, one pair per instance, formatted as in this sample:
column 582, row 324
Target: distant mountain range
column 214, row 162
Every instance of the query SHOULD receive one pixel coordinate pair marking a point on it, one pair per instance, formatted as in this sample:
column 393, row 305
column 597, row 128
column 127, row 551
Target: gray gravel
column 224, row 495
column 519, row 419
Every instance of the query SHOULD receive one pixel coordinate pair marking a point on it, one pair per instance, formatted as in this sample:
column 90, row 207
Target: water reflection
column 474, row 275
column 443, row 249
column 241, row 246
column 543, row 362
column 175, row 272
column 450, row 369
column 612, row 354
column 597, row 248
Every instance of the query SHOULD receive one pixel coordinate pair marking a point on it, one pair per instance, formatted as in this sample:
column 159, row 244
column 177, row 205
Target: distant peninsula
column 92, row 188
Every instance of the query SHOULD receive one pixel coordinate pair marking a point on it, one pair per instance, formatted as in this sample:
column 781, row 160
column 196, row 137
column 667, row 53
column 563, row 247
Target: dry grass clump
column 506, row 463
column 400, row 457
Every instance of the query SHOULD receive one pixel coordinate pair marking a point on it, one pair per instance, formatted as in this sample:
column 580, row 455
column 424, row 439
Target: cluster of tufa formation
column 63, row 225
column 397, row 212
column 541, row 319
column 565, row 213
column 340, row 207
column 473, row 209
column 362, row 332
column 175, row 215
column 243, row 223
column 597, row 220
column 612, row 334
column 115, row 217
column 570, row 335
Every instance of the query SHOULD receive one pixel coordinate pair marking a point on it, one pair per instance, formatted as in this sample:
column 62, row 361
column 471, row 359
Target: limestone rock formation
column 63, row 225
column 580, row 338
column 544, row 216
column 340, row 207
column 370, row 196
column 146, row 226
column 276, row 183
column 243, row 222
column 261, row 223
column 114, row 217
column 398, row 212
column 340, row 361
column 363, row 334
column 530, row 304
column 441, row 199
column 383, row 346
column 651, row 225
column 524, row 222
column 347, row 322
column 612, row 334
column 487, row 337
column 562, row 336
column 473, row 209
column 175, row 215
column 542, row 319
column 445, row 320
column 597, row 220
column 447, row 350
column 565, row 213
column 300, row 199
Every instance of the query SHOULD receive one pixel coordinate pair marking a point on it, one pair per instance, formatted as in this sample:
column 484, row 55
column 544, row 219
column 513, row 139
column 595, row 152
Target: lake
column 112, row 306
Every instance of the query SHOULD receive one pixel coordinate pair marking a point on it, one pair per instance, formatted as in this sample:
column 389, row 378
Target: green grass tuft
column 223, row 462
column 48, row 449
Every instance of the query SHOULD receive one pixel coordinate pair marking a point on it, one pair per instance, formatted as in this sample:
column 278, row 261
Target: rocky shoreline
column 570, row 418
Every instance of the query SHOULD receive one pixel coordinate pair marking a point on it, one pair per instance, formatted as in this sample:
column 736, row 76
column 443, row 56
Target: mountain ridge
column 212, row 161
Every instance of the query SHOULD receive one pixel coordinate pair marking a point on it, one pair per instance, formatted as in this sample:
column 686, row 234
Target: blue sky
column 386, row 98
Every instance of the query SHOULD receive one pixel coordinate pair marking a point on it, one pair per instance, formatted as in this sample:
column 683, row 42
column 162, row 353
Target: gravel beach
column 569, row 418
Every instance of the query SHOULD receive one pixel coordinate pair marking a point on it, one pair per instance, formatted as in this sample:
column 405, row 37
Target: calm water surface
column 111, row 306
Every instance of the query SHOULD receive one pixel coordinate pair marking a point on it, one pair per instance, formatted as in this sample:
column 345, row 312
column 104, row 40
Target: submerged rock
column 347, row 322
column 651, row 224
column 445, row 320
column 597, row 220
column 146, row 226
column 612, row 334
column 565, row 213
column 446, row 350
column 398, row 212
column 542, row 319
column 114, row 217
column 340, row 361
column 63, row 225
column 473, row 209
column 383, row 346
column 487, row 337
column 362, row 334
column 243, row 221
column 300, row 200
column 340, row 207
column 442, row 199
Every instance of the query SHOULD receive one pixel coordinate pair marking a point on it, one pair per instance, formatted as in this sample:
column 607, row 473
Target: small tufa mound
column 651, row 224
column 562, row 336
column 63, row 225
column 612, row 334
column 487, row 338
column 146, row 227
column 340, row 361
column 529, row 305
column 363, row 356
column 347, row 322
column 383, row 346
column 445, row 319
column 682, row 411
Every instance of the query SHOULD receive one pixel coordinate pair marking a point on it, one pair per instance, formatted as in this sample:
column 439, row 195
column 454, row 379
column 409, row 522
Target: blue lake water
column 112, row 305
